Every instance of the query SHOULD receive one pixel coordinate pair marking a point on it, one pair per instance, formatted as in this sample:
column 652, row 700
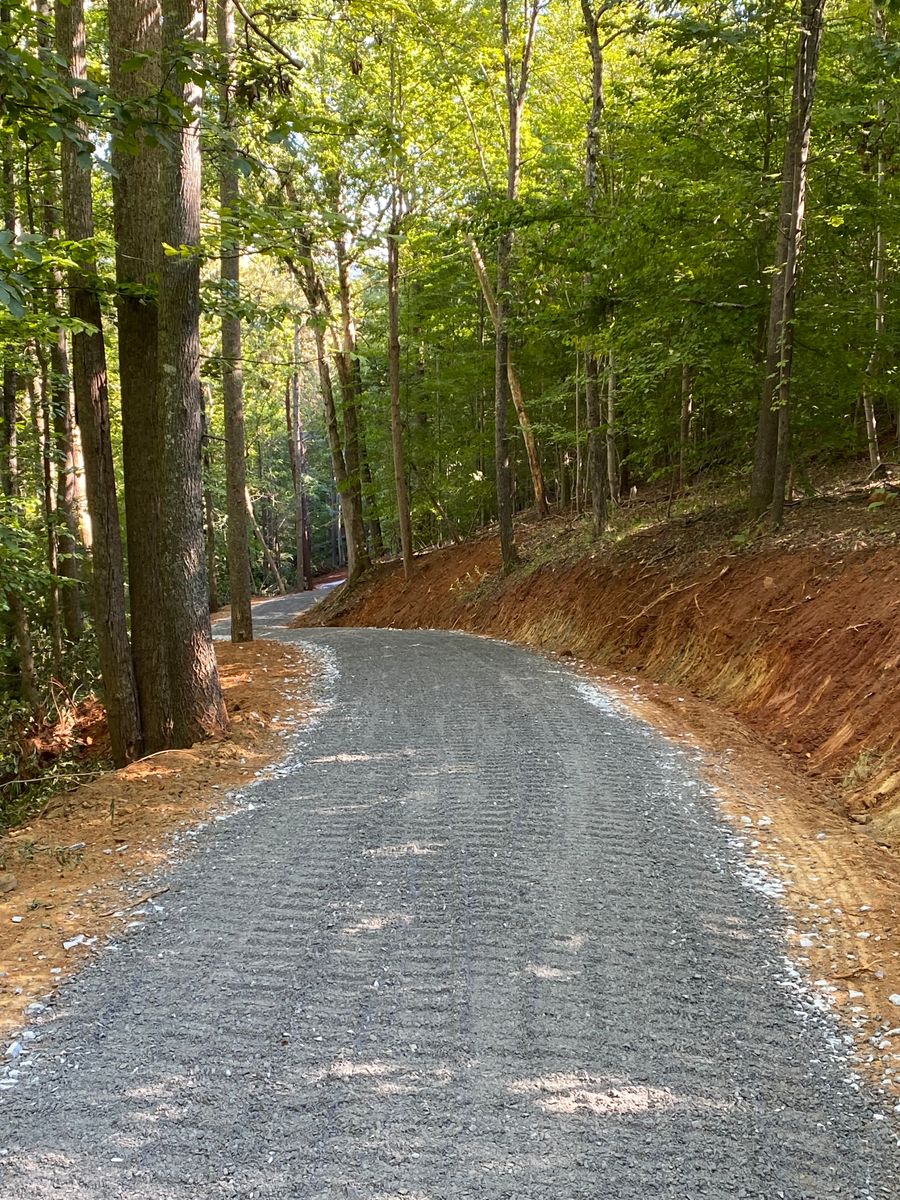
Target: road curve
column 486, row 939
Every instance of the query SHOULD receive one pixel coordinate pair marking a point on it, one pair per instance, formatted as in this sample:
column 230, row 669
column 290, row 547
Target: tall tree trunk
column 349, row 496
column 593, row 404
column 197, row 707
column 92, row 411
column 9, row 461
column 349, row 380
column 135, row 78
column 43, row 403
column 393, row 291
column 873, row 368
column 297, row 450
column 515, row 387
column 516, row 78
column 209, row 509
column 68, row 533
column 69, row 558
column 240, row 584
column 772, row 436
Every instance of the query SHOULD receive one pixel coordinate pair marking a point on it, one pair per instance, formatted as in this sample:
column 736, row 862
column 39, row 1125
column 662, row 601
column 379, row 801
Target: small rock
column 895, row 999
column 8, row 882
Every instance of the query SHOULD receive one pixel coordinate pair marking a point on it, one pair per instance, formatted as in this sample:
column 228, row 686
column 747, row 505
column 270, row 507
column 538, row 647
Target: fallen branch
column 124, row 908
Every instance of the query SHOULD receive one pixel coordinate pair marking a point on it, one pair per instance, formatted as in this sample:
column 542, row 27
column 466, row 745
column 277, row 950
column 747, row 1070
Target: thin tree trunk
column 349, row 499
column 593, row 403
column 92, row 407
column 515, row 387
column 578, row 449
column 596, row 447
column 135, row 78
column 57, row 396
column 348, row 378
column 771, row 451
column 393, row 290
column 43, row 403
column 270, row 559
column 209, row 510
column 516, row 78
column 297, row 452
column 612, row 458
column 197, row 707
column 873, row 368
column 68, row 533
column 240, row 584
column 684, row 424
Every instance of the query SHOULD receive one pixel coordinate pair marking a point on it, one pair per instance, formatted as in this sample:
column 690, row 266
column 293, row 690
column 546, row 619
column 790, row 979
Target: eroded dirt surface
column 485, row 936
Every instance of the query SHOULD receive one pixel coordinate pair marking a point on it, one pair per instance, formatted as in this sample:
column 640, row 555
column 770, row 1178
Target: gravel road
column 485, row 938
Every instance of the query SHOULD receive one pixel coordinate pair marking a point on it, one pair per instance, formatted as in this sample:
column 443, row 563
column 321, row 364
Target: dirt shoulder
column 71, row 875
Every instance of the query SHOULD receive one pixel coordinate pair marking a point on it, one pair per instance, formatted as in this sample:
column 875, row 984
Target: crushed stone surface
column 484, row 937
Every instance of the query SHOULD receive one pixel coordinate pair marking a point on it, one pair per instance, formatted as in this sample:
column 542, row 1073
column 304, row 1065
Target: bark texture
column 89, row 380
column 197, row 707
column 240, row 584
column 134, row 35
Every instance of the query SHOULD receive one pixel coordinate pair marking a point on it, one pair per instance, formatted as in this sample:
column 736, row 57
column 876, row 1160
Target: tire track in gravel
column 483, row 941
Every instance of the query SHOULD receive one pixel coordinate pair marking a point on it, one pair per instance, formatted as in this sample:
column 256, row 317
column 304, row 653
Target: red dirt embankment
column 797, row 636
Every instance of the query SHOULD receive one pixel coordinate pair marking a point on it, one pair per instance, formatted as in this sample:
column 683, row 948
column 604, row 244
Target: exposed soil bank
column 798, row 636
column 72, row 871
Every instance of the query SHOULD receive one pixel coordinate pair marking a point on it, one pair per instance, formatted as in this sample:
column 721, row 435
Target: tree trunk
column 57, row 396
column 349, row 498
column 240, row 584
column 873, row 368
column 197, row 707
column 42, row 402
column 135, row 78
column 393, row 290
column 516, row 77
column 270, row 560
column 772, row 450
column 596, row 447
column 92, row 412
column 684, row 424
column 593, row 403
column 515, row 387
column 297, row 450
column 68, row 532
column 209, row 510
column 612, row 458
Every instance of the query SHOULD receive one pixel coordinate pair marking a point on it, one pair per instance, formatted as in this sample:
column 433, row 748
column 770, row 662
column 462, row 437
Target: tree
column 92, row 408
column 239, row 581
column 197, row 707
column 135, row 80
column 516, row 75
column 770, row 460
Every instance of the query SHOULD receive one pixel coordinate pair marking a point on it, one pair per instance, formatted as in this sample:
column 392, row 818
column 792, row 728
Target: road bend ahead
column 486, row 939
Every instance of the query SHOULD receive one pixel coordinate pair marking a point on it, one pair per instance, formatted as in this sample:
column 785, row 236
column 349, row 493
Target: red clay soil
column 798, row 636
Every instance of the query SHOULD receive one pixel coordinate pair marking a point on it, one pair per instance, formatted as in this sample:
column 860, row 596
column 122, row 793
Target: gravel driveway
column 486, row 938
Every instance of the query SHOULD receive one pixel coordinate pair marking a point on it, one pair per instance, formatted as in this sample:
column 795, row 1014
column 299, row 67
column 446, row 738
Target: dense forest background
column 293, row 286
